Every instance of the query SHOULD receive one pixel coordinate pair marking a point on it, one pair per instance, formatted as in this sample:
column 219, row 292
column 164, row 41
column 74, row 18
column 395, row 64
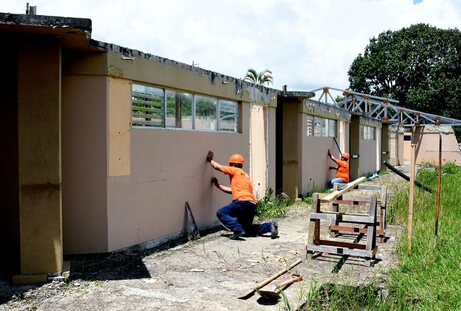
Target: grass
column 428, row 276
column 272, row 206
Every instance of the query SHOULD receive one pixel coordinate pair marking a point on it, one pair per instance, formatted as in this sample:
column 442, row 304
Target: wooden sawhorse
column 316, row 244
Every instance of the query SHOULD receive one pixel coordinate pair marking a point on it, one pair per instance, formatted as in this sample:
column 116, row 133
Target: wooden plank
column 361, row 187
column 349, row 229
column 371, row 234
column 335, row 207
column 349, row 202
column 350, row 245
column 336, row 194
column 383, row 205
column 341, row 251
column 314, row 224
column 339, row 217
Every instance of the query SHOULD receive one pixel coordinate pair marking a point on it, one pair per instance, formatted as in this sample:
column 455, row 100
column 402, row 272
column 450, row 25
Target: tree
column 263, row 77
column 420, row 66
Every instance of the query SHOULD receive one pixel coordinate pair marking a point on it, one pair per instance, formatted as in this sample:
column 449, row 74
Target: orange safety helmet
column 346, row 156
column 236, row 158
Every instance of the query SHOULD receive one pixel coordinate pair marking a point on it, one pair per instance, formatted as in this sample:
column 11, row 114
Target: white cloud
column 306, row 43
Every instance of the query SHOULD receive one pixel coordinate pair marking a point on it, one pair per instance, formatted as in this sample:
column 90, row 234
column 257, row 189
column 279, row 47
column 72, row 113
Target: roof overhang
column 74, row 33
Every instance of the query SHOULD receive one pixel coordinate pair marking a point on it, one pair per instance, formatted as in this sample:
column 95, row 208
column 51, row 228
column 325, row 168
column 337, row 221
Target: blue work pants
column 238, row 217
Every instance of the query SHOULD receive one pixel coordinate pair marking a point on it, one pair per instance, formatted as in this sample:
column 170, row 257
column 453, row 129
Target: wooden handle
column 273, row 277
column 291, row 280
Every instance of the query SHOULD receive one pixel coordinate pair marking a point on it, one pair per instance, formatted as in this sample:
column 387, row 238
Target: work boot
column 274, row 230
column 237, row 235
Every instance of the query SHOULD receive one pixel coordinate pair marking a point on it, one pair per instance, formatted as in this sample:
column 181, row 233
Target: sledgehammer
column 251, row 292
column 275, row 295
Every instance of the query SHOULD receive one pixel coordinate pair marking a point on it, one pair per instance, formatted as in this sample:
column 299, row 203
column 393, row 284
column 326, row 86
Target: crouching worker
column 342, row 170
column 243, row 205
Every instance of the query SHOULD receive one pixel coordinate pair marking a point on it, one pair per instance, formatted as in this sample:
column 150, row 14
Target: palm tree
column 263, row 77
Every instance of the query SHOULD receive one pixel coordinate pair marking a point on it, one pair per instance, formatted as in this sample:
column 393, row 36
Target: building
column 105, row 144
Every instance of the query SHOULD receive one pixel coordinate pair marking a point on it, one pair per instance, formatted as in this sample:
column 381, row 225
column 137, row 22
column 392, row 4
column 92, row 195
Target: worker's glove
column 329, row 153
column 209, row 156
column 332, row 168
column 214, row 181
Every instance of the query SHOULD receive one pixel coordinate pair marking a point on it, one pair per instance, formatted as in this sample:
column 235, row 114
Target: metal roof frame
column 379, row 108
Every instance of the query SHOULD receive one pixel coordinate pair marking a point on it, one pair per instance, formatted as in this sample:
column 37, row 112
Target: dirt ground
column 206, row 274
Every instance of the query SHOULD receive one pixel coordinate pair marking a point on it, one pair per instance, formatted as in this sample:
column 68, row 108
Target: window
column 178, row 109
column 309, row 125
column 205, row 113
column 147, row 107
column 228, row 116
column 367, row 132
column 157, row 107
column 331, row 128
column 317, row 126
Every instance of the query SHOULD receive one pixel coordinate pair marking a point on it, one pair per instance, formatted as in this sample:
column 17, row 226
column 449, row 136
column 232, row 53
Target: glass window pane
column 317, row 126
column 205, row 113
column 332, row 128
column 227, row 116
column 309, row 125
column 324, row 127
column 178, row 109
column 186, row 110
column 171, row 108
column 147, row 106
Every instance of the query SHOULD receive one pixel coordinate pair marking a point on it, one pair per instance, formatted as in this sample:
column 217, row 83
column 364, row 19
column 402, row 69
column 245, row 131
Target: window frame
column 178, row 124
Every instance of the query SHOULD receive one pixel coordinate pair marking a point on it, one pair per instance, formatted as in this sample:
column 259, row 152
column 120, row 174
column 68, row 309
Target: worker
column 243, row 205
column 342, row 169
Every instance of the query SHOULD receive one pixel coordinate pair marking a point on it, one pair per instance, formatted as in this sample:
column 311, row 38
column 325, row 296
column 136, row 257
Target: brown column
column 9, row 207
column 39, row 140
column 385, row 150
column 354, row 141
column 290, row 148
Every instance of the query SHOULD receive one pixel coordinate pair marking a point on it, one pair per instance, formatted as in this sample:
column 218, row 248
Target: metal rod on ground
column 439, row 190
column 412, row 191
column 417, row 183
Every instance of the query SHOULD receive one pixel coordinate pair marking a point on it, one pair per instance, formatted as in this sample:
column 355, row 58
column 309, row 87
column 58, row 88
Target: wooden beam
column 371, row 234
column 341, row 251
column 336, row 194
column 350, row 245
column 340, row 217
column 349, row 229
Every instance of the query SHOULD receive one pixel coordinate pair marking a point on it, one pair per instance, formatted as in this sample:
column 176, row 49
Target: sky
column 306, row 44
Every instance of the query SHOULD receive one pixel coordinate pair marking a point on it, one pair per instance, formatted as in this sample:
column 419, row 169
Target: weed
column 285, row 301
column 204, row 250
column 342, row 297
column 220, row 255
column 272, row 207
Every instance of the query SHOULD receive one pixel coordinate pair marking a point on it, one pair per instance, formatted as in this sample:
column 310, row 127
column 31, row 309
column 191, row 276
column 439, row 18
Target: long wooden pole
column 439, row 190
column 412, row 190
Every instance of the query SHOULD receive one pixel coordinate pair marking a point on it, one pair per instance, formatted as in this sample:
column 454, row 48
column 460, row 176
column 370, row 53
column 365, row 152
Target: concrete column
column 385, row 150
column 354, row 141
column 9, row 175
column 290, row 148
column 39, row 140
